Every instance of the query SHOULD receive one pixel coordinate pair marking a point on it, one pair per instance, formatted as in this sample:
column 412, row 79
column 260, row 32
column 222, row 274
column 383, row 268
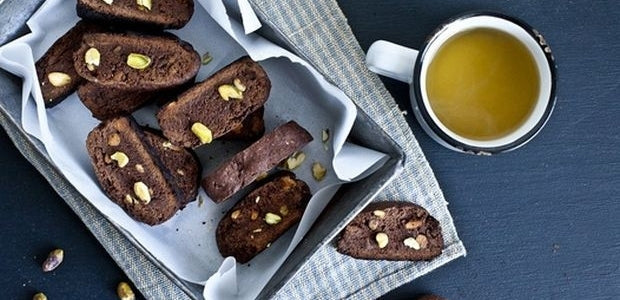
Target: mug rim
column 430, row 126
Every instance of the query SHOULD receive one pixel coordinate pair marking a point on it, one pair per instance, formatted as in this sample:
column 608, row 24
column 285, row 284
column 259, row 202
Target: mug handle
column 391, row 60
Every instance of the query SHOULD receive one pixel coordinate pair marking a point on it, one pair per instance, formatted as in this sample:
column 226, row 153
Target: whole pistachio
column 53, row 260
column 39, row 296
column 125, row 292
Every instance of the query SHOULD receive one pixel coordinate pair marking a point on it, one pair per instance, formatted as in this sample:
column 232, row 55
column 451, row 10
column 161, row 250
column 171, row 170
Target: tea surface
column 482, row 84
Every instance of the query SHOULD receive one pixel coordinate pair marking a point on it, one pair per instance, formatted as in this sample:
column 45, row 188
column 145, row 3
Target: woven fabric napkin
column 318, row 32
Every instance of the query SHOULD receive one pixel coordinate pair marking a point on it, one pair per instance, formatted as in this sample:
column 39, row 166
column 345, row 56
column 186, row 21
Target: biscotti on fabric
column 392, row 231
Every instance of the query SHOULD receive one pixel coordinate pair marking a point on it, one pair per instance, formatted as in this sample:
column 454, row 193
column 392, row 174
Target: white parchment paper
column 186, row 244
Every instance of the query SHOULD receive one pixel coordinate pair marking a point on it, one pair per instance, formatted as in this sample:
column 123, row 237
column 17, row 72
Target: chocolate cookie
column 105, row 103
column 55, row 70
column 182, row 164
column 136, row 62
column 217, row 105
column 262, row 217
column 251, row 129
column 260, row 157
column 146, row 14
column 136, row 175
column 392, row 231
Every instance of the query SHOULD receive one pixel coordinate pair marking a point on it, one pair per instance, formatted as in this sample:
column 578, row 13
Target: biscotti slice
column 217, row 105
column 182, row 164
column 105, row 103
column 55, row 70
column 262, row 216
column 260, row 157
column 251, row 129
column 130, row 173
column 392, row 231
column 145, row 14
column 136, row 62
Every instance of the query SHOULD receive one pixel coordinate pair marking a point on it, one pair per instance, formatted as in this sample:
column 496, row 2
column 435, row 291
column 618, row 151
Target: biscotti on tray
column 57, row 76
column 244, row 167
column 140, row 14
column 136, row 62
column 392, row 231
column 262, row 216
column 147, row 177
column 217, row 105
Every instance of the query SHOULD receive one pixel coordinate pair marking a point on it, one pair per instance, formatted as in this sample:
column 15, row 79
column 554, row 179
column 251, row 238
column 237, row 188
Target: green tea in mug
column 482, row 84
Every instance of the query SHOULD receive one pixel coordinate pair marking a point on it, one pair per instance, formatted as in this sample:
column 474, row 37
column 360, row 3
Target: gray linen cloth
column 318, row 32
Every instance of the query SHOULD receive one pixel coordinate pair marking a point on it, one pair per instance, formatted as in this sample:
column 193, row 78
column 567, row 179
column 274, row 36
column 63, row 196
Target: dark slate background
column 540, row 222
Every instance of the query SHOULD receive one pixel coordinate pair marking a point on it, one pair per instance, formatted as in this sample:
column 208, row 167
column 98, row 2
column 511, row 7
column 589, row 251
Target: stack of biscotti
column 218, row 105
column 268, row 211
column 124, row 71
column 142, row 172
column 120, row 72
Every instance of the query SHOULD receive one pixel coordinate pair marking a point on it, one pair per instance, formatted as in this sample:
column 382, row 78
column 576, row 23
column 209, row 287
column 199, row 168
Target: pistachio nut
column 114, row 140
column 284, row 210
column 228, row 92
column 58, row 79
column 318, row 171
column 92, row 57
column 422, row 240
column 138, row 61
column 39, row 296
column 202, row 132
column 272, row 219
column 382, row 239
column 295, row 160
column 53, row 260
column 240, row 86
column 142, row 191
column 379, row 213
column 144, row 4
column 124, row 291
column 206, row 59
column 412, row 243
column 121, row 158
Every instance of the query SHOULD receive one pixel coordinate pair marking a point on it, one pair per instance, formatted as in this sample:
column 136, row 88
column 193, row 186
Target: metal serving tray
column 349, row 201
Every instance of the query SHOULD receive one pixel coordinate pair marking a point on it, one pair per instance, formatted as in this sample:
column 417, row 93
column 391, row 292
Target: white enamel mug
column 411, row 66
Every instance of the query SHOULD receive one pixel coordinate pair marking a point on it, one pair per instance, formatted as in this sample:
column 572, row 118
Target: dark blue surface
column 541, row 222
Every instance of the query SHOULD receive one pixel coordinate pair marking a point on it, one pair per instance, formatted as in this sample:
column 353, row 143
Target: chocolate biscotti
column 260, row 157
column 392, row 231
column 55, row 70
column 105, row 103
column 217, row 105
column 262, row 216
column 182, row 165
column 133, row 174
column 136, row 62
column 251, row 129
column 145, row 14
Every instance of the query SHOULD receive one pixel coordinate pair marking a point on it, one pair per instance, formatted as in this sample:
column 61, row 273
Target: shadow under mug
column 411, row 66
